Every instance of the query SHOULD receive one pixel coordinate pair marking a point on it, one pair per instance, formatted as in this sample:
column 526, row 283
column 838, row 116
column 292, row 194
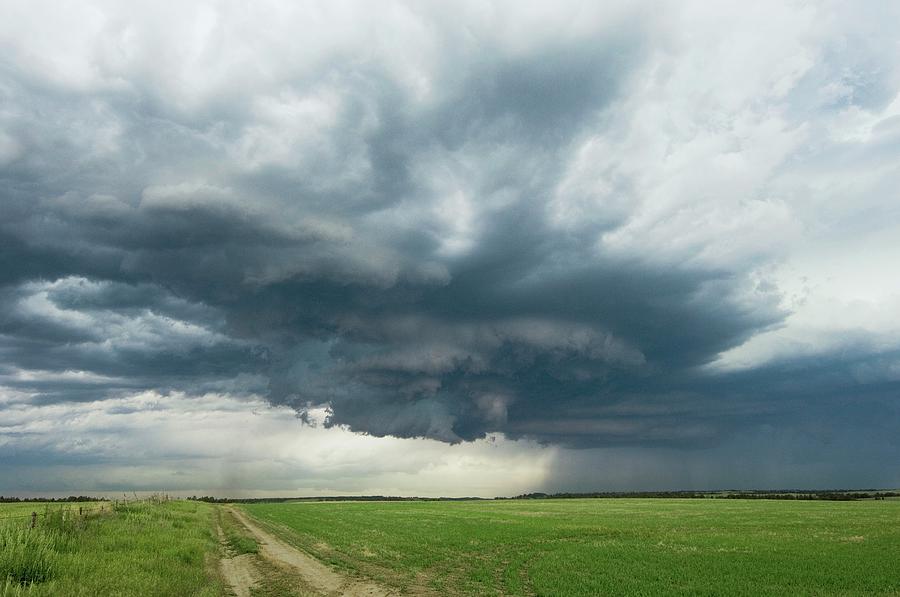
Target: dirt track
column 311, row 574
column 240, row 574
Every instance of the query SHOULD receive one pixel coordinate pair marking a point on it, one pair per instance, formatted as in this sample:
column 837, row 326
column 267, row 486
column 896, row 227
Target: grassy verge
column 599, row 547
column 140, row 549
column 237, row 539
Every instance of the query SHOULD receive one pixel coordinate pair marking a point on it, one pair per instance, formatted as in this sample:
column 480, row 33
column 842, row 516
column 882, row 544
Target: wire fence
column 35, row 514
column 51, row 509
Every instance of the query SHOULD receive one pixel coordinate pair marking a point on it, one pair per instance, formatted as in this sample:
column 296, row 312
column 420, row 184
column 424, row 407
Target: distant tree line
column 829, row 494
column 820, row 495
column 330, row 498
column 609, row 494
column 71, row 498
column 786, row 494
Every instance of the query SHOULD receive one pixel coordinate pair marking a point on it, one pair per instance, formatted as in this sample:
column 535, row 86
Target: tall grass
column 10, row 588
column 28, row 555
column 138, row 549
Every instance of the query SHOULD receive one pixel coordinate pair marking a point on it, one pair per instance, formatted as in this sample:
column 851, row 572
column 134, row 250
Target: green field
column 612, row 547
column 527, row 547
column 139, row 549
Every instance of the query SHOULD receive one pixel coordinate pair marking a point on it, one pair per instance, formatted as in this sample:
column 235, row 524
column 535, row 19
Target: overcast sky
column 448, row 248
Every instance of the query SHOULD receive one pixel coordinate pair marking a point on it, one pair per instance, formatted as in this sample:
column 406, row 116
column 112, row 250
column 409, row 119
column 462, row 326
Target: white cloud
column 215, row 443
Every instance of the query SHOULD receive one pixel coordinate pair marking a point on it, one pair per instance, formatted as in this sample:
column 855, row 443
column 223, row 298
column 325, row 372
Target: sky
column 430, row 248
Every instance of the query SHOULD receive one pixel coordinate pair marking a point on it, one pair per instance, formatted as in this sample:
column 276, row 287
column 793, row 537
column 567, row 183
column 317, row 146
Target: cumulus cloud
column 589, row 226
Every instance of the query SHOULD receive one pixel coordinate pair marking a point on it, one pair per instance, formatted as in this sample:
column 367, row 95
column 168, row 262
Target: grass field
column 141, row 549
column 612, row 547
column 529, row 547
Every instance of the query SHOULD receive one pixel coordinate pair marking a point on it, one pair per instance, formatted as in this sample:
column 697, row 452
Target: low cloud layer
column 660, row 230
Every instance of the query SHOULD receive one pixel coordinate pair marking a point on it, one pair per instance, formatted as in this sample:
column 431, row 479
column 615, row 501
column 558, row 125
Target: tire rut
column 238, row 570
column 314, row 574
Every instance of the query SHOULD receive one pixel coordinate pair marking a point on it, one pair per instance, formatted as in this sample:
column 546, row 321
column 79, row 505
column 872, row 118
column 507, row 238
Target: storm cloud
column 638, row 227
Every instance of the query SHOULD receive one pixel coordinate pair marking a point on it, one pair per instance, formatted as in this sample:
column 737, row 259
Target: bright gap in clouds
column 216, row 444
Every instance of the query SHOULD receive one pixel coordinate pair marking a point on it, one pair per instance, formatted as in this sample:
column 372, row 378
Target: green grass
column 141, row 549
column 28, row 557
column 613, row 547
column 236, row 537
column 540, row 547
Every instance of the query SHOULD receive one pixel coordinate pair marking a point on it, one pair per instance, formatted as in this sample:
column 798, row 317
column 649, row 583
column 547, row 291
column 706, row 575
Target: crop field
column 521, row 547
column 597, row 547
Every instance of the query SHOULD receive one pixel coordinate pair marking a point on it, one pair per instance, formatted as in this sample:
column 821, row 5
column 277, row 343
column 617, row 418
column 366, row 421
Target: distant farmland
column 504, row 547
column 612, row 547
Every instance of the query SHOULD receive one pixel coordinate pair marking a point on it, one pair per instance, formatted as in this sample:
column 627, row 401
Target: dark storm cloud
column 430, row 249
column 86, row 339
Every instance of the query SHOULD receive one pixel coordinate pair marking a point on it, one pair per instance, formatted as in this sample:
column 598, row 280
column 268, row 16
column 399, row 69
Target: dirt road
column 238, row 570
column 312, row 576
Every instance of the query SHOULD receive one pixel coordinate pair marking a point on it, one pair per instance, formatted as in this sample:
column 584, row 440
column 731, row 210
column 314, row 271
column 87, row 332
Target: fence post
column 79, row 511
column 33, row 519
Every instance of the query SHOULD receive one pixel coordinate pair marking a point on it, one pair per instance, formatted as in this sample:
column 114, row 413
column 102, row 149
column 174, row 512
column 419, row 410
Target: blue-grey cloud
column 573, row 225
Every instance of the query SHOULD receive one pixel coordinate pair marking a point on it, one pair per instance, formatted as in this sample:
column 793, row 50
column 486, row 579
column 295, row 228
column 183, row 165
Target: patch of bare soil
column 312, row 572
column 238, row 571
